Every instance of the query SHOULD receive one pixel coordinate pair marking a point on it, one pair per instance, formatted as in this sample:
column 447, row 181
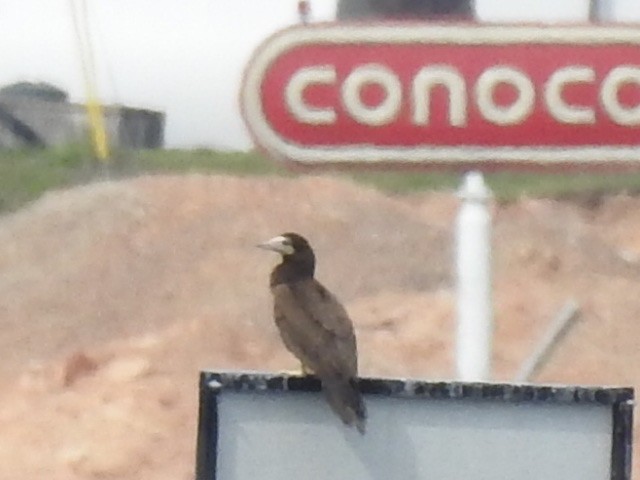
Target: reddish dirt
column 114, row 295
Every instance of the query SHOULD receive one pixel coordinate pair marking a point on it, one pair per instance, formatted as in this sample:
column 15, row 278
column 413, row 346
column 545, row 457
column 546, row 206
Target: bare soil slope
column 114, row 295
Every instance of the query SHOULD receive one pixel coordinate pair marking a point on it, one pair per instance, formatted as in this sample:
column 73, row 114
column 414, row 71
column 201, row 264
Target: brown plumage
column 315, row 327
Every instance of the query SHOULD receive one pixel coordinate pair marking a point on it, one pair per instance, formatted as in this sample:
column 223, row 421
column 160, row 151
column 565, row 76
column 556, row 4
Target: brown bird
column 315, row 327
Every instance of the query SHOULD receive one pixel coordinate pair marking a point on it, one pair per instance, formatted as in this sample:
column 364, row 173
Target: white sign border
column 467, row 34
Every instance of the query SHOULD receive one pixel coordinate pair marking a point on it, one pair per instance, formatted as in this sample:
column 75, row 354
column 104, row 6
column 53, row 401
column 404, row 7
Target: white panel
column 624, row 10
column 533, row 10
column 295, row 436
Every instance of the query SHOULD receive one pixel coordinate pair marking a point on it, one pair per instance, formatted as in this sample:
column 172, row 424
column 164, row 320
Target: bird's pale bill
column 278, row 244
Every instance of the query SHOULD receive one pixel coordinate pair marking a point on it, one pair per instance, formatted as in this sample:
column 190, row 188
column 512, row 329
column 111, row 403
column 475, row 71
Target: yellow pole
column 94, row 108
column 98, row 130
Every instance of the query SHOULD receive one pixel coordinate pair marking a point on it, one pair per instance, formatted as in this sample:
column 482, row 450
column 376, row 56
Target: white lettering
column 420, row 91
column 557, row 106
column 377, row 115
column 423, row 84
column 609, row 95
column 293, row 95
column 512, row 114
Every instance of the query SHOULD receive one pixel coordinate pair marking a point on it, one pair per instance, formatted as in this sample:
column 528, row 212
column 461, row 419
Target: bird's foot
column 305, row 370
column 302, row 372
column 291, row 373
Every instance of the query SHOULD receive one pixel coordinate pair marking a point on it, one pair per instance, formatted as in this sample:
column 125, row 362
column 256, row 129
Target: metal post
column 304, row 11
column 601, row 11
column 556, row 332
column 594, row 14
column 473, row 269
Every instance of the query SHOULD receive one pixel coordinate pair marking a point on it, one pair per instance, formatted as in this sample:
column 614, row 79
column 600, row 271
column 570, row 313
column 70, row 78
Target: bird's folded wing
column 317, row 323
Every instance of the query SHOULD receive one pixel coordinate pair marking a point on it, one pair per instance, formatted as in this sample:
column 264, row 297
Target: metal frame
column 621, row 400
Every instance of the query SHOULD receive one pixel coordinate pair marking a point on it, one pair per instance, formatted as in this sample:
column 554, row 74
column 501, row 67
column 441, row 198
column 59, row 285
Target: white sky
column 186, row 56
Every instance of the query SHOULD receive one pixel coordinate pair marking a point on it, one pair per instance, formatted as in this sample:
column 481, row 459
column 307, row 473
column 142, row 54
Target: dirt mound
column 114, row 259
column 114, row 295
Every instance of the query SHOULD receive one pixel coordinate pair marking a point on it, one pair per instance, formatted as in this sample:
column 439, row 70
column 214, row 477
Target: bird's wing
column 315, row 327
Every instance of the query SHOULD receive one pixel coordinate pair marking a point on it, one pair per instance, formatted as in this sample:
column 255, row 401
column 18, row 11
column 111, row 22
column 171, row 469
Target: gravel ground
column 114, row 295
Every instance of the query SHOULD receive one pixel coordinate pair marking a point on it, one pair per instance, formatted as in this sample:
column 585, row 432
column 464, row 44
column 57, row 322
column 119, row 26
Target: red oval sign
column 447, row 95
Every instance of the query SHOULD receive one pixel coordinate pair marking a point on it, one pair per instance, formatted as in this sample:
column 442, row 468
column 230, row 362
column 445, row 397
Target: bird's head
column 297, row 254
column 287, row 244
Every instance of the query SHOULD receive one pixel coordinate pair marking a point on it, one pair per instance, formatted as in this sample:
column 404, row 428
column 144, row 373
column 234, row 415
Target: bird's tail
column 346, row 401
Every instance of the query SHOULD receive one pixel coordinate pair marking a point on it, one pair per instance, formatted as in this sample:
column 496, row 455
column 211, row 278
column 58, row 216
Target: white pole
column 473, row 269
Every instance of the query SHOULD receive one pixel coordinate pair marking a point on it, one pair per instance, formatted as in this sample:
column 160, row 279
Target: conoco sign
column 458, row 95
